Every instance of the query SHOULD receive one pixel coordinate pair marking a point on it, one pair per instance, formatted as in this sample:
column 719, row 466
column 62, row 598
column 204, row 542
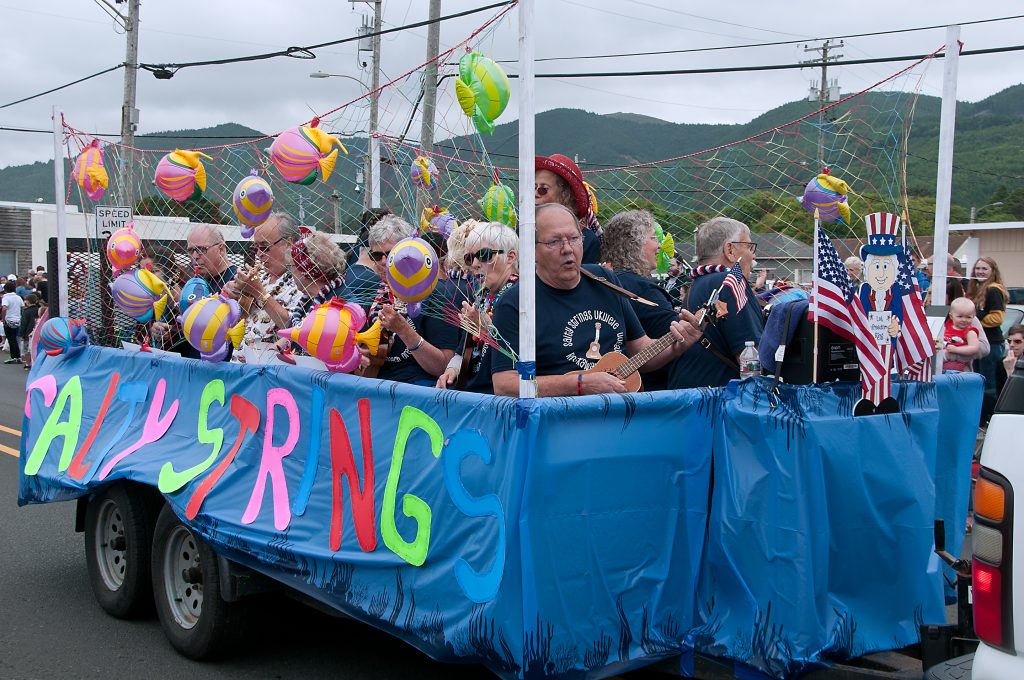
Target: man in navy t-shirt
column 721, row 242
column 578, row 319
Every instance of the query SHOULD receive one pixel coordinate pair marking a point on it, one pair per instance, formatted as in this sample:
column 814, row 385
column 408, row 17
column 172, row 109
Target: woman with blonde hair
column 492, row 256
column 990, row 297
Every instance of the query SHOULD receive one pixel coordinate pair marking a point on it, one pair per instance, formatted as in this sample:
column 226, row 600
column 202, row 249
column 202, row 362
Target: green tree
column 196, row 209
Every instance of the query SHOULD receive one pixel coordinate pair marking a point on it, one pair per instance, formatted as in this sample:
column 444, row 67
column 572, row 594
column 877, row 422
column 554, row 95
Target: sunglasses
column 263, row 246
column 377, row 255
column 485, row 255
column 541, row 189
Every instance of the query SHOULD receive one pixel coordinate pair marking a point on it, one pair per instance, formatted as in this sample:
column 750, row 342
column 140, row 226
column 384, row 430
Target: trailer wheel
column 196, row 620
column 118, row 536
column 954, row 669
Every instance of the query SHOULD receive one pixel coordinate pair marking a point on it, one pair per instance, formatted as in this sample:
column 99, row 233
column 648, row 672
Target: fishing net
column 758, row 179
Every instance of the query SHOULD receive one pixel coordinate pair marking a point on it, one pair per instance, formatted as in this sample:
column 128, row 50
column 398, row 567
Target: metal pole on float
column 62, row 226
column 944, row 181
column 527, row 267
column 374, row 141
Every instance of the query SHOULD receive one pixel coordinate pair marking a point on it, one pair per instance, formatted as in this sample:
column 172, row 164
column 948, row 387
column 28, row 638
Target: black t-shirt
column 218, row 282
column 698, row 367
column 401, row 365
column 655, row 320
column 591, row 247
column 43, row 291
column 570, row 324
column 480, row 362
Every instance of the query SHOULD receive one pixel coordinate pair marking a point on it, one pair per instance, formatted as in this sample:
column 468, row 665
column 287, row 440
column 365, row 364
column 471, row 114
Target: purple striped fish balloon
column 210, row 324
column 140, row 295
column 253, row 199
column 412, row 269
column 181, row 175
column 301, row 153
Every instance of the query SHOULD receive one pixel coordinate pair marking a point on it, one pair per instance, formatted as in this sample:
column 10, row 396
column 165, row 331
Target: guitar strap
column 618, row 289
column 719, row 354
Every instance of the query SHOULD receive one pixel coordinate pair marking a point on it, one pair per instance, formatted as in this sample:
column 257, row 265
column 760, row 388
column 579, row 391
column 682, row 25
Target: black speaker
column 837, row 356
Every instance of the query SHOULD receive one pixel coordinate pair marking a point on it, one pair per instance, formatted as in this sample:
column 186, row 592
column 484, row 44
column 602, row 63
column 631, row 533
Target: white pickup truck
column 998, row 549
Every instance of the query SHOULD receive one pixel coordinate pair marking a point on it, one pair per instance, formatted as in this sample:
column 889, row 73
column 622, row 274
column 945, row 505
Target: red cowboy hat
column 564, row 167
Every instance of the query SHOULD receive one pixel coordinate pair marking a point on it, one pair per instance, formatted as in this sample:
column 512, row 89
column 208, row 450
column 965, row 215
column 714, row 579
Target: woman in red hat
column 559, row 180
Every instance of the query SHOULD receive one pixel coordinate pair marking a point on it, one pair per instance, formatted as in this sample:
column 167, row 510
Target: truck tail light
column 992, row 543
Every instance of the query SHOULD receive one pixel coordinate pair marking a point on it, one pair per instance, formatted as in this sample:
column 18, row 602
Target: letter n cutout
column 343, row 464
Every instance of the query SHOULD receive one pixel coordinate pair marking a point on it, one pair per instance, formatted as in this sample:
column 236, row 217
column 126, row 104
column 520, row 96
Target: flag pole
column 814, row 293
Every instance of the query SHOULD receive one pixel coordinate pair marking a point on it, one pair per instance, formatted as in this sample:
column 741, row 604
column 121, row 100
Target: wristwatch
column 263, row 299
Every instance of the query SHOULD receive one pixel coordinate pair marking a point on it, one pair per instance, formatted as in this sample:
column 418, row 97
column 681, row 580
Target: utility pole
column 429, row 95
column 823, row 89
column 130, row 114
column 374, row 145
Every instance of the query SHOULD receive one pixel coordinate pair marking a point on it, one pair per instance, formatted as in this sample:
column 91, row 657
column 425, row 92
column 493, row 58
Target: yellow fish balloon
column 300, row 152
column 482, row 90
column 181, row 175
column 90, row 173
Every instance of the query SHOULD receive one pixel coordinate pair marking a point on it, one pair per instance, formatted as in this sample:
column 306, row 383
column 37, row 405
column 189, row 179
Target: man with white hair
column 209, row 255
column 579, row 319
column 721, row 243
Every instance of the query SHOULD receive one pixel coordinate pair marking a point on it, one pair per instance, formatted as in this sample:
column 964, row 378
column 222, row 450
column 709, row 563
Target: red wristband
column 579, row 384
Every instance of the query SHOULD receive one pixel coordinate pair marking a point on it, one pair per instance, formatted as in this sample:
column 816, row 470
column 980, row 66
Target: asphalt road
column 51, row 627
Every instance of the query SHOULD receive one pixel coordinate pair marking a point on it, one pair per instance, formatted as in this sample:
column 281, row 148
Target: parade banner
column 403, row 506
column 821, row 535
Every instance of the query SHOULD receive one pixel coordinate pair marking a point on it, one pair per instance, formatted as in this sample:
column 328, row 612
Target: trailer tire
column 954, row 669
column 118, row 537
column 197, row 621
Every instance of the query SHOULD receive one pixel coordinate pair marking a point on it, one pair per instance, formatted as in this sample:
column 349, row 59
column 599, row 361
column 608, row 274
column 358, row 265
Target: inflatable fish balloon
column 140, row 295
column 124, row 248
column 412, row 269
column 666, row 249
column 302, row 151
column 329, row 333
column 61, row 335
column 194, row 289
column 499, row 205
column 210, row 324
column 181, row 175
column 828, row 195
column 436, row 218
column 424, row 173
column 252, row 201
column 482, row 90
column 90, row 173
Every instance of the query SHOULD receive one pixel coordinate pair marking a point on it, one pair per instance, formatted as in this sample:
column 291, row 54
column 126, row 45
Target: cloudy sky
column 51, row 43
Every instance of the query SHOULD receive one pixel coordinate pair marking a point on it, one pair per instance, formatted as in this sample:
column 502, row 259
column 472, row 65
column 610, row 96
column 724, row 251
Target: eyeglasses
column 199, row 250
column 541, row 189
column 1017, row 341
column 485, row 255
column 554, row 244
column 377, row 255
column 263, row 246
column 750, row 244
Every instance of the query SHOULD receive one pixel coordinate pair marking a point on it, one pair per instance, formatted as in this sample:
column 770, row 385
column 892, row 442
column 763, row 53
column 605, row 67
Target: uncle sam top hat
column 883, row 235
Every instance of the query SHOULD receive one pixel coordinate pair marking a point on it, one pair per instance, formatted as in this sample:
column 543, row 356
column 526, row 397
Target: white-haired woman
column 420, row 347
column 630, row 246
column 492, row 256
column 318, row 265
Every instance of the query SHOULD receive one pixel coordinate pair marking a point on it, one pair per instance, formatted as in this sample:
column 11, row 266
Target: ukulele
column 627, row 369
column 378, row 359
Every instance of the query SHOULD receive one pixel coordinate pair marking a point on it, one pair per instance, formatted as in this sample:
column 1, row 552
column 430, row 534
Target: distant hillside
column 987, row 142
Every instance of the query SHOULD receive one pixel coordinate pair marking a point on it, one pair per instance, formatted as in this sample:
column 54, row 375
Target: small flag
column 737, row 283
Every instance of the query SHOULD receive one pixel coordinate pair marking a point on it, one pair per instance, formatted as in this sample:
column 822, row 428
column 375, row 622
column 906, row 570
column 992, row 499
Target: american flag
column 832, row 292
column 915, row 342
column 737, row 283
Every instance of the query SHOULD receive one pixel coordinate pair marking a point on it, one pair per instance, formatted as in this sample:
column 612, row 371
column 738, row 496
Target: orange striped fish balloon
column 329, row 333
column 90, row 173
column 181, row 175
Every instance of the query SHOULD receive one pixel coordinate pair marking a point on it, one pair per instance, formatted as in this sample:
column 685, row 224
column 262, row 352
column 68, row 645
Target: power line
column 167, row 70
column 73, row 82
column 764, row 44
column 767, row 67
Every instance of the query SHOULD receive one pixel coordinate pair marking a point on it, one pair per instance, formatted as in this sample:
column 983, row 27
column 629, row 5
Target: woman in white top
column 10, row 314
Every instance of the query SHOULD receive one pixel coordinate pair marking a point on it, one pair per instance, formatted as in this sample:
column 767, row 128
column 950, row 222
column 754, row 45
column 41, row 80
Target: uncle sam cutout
column 878, row 306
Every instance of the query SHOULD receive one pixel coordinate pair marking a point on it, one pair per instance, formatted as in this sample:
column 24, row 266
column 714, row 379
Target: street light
column 372, row 155
column 975, row 211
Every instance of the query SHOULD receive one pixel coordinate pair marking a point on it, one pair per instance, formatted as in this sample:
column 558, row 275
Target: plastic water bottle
column 750, row 362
